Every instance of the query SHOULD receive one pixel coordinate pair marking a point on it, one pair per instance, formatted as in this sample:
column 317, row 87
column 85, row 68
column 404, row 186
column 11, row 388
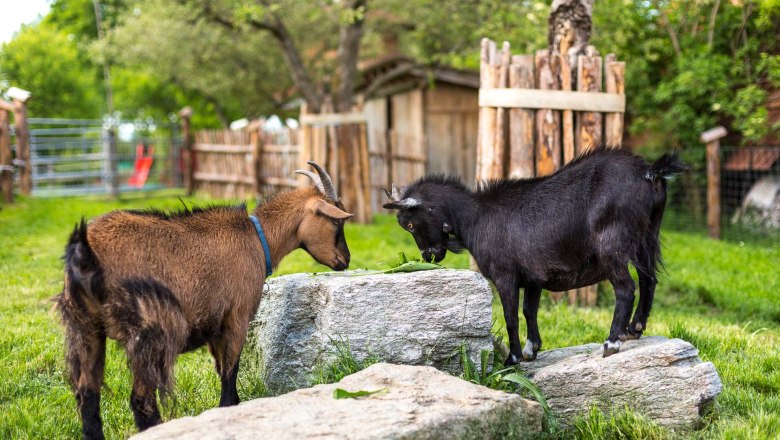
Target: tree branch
column 290, row 52
column 348, row 52
column 711, row 30
column 669, row 29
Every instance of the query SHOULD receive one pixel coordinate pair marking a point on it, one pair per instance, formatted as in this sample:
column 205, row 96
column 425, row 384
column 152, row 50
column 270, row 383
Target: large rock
column 660, row 378
column 418, row 318
column 420, row 403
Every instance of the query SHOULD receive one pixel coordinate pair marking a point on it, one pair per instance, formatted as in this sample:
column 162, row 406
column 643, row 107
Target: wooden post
column 6, row 156
column 566, row 84
column 498, row 160
column 487, row 115
column 257, row 141
column 712, row 139
column 521, row 121
column 23, row 145
column 588, row 135
column 589, row 124
column 188, row 153
column 548, row 133
column 110, row 170
column 615, row 83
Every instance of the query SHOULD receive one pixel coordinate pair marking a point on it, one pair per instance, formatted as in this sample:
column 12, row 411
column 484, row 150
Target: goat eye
column 410, row 226
column 336, row 222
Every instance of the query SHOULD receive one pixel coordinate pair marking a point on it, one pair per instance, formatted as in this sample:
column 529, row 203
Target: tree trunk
column 567, row 16
column 349, row 50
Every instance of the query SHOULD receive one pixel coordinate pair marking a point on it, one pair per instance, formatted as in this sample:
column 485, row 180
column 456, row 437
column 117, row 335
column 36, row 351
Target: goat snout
column 342, row 263
column 435, row 254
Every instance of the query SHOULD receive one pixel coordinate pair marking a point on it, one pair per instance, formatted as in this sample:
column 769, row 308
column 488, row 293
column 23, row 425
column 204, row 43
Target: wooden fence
column 339, row 142
column 394, row 157
column 537, row 113
column 240, row 164
column 9, row 165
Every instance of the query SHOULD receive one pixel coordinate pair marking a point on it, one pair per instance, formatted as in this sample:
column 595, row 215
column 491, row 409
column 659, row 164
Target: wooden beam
column 552, row 99
column 222, row 148
column 222, row 178
column 332, row 118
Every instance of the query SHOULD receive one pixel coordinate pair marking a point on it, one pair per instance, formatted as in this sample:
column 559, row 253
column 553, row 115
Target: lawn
column 724, row 297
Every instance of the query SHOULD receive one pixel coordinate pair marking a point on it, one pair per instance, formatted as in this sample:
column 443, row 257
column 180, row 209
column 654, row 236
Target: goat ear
column 331, row 211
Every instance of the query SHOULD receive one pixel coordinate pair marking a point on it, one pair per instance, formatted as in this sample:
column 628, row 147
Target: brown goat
column 166, row 283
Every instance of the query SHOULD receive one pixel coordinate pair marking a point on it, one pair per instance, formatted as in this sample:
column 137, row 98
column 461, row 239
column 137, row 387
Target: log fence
column 240, row 164
column 9, row 165
column 537, row 113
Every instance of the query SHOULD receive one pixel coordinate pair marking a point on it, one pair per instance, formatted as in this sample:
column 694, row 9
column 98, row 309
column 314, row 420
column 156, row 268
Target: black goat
column 576, row 227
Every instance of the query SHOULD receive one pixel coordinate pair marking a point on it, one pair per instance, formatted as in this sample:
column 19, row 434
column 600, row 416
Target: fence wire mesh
column 79, row 156
column 749, row 195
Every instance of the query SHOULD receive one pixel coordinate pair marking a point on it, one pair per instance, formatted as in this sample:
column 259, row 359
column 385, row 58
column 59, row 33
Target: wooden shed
column 420, row 120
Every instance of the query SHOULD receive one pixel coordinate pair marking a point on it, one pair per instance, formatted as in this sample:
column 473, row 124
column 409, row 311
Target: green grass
column 724, row 297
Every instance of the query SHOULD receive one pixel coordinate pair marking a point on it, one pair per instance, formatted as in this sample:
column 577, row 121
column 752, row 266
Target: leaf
column 413, row 266
column 340, row 393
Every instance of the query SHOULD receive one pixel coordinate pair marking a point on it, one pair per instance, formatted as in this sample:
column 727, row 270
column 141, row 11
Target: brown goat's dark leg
column 86, row 356
column 533, row 344
column 143, row 401
column 624, row 303
column 227, row 352
column 509, row 292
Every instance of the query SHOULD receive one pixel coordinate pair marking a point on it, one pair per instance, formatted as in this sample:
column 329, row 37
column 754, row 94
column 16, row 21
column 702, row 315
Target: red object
column 142, row 166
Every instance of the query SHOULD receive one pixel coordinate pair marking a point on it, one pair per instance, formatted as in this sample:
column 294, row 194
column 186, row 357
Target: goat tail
column 83, row 274
column 665, row 167
column 662, row 169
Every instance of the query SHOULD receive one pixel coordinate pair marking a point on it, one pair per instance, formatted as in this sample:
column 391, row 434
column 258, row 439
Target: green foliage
column 340, row 393
column 720, row 296
column 47, row 62
column 340, row 364
column 618, row 425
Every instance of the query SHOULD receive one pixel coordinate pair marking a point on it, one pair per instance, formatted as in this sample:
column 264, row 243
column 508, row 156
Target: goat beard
column 454, row 245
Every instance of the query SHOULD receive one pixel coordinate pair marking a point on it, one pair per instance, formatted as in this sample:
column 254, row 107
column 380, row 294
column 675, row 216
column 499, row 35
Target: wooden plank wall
column 241, row 164
column 526, row 141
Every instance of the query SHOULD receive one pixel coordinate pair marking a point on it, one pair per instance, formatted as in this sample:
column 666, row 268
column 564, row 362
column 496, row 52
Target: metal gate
column 92, row 156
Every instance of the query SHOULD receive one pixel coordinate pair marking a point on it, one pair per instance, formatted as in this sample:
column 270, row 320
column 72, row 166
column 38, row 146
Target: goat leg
column 143, row 402
column 227, row 352
column 647, row 283
column 509, row 293
column 85, row 356
column 624, row 295
column 533, row 343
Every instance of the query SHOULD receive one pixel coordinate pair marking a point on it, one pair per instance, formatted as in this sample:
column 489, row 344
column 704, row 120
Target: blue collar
column 266, row 250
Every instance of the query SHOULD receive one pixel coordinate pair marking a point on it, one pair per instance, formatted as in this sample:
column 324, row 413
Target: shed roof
column 753, row 158
column 392, row 74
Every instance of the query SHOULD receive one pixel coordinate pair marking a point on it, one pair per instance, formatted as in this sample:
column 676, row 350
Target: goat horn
column 388, row 195
column 327, row 184
column 314, row 178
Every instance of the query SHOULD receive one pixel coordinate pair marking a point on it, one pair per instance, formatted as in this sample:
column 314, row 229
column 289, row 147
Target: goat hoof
column 511, row 360
column 530, row 350
column 611, row 348
column 634, row 331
